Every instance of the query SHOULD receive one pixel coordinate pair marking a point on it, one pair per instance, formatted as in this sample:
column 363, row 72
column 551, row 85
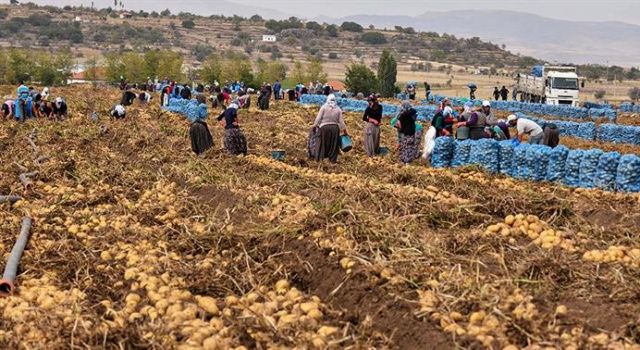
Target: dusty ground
column 137, row 243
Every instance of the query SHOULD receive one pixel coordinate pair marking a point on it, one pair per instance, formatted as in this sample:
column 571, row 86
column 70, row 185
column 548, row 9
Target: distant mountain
column 550, row 39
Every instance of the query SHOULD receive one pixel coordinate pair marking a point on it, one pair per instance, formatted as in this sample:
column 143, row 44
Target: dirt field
column 139, row 244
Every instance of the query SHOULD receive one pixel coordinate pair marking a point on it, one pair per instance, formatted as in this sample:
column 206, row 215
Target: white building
column 269, row 38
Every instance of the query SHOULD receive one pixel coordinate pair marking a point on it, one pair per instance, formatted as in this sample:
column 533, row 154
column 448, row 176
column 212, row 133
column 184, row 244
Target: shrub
column 359, row 78
column 373, row 38
column 188, row 24
column 351, row 27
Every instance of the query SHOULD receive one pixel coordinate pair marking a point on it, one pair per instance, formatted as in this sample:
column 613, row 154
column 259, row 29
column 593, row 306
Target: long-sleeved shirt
column 505, row 129
column 491, row 119
column 230, row 115
column 370, row 113
column 330, row 116
column 407, row 121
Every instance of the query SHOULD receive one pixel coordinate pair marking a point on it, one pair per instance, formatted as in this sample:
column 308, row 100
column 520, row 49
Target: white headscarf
column 468, row 107
column 331, row 101
column 447, row 111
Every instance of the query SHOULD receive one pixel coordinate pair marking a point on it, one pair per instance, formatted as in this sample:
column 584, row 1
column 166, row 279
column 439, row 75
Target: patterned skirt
column 408, row 151
column 235, row 142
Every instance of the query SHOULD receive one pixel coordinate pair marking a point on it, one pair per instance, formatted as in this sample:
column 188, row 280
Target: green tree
column 387, row 74
column 114, row 69
column 170, row 65
column 315, row 71
column 91, row 70
column 151, row 62
column 20, row 67
column 134, row 67
column 373, row 38
column 211, row 69
column 188, row 24
column 332, row 30
column 351, row 27
column 359, row 78
column 298, row 73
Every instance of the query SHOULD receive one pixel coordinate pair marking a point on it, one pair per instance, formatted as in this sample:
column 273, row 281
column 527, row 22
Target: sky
column 577, row 10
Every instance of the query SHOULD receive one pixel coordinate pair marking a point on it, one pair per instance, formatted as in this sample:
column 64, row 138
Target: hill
column 106, row 30
column 528, row 34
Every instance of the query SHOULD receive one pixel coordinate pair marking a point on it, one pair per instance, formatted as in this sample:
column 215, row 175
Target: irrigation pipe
column 7, row 285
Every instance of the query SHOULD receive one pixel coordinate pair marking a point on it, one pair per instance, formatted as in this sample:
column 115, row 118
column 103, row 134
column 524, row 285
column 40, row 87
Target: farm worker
column 118, row 112
column 410, row 91
column 127, row 98
column 244, row 100
column 427, row 89
column 472, row 91
column 438, row 122
column 59, row 108
column 7, row 109
column 265, row 97
column 165, row 95
column 496, row 93
column 418, row 137
column 23, row 105
column 201, row 139
column 277, row 88
column 462, row 131
column 504, row 93
column 406, row 126
column 234, row 140
column 372, row 118
column 476, row 124
column 526, row 127
column 45, row 109
column 488, row 113
column 144, row 97
column 500, row 131
column 329, row 123
column 551, row 135
column 45, row 94
column 327, row 89
column 185, row 93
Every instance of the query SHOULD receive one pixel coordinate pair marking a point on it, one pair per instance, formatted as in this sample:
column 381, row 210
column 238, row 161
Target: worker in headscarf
column 372, row 118
column 201, row 139
column 265, row 97
column 234, row 140
column 23, row 105
column 406, row 125
column 59, row 108
column 329, row 123
column 118, row 112
column 45, row 109
column 144, row 97
column 7, row 109
column 45, row 94
column 127, row 98
column 551, row 135
column 443, row 122
column 476, row 123
column 490, row 117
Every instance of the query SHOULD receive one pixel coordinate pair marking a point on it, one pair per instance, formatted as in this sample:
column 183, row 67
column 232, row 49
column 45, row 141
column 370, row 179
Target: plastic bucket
column 345, row 143
column 278, row 154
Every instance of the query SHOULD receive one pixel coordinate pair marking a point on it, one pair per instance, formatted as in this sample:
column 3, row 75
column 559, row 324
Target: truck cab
column 562, row 86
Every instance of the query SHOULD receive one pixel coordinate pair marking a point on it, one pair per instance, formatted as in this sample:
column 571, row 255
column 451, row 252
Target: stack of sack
column 628, row 174
column 485, row 152
column 461, row 153
column 442, row 152
column 607, row 170
column 589, row 168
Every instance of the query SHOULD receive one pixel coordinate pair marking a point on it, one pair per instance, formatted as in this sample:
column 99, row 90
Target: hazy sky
column 577, row 10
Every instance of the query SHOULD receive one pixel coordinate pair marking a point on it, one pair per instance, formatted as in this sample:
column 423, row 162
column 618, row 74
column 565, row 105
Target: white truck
column 552, row 85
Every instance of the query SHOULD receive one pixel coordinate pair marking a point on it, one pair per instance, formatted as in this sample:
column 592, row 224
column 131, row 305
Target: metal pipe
column 11, row 199
column 7, row 285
